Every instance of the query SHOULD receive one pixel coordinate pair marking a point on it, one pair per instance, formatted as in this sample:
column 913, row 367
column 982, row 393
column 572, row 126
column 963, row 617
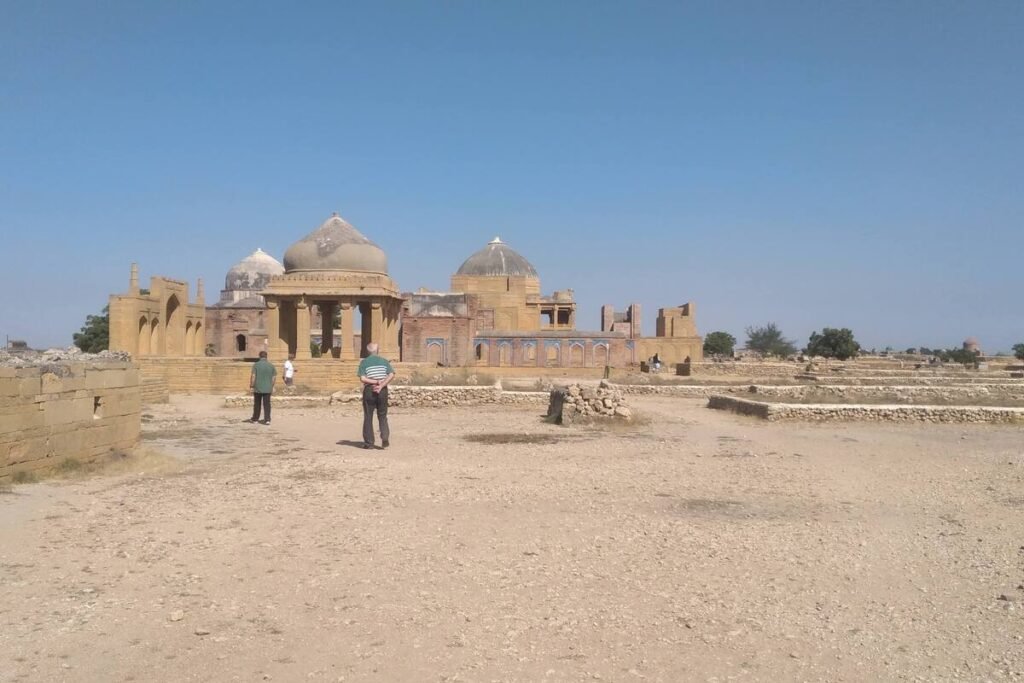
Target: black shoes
column 367, row 446
column 264, row 422
column 385, row 443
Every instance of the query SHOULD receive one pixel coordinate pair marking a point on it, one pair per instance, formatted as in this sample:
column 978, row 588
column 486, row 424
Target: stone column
column 348, row 352
column 302, row 330
column 326, row 326
column 389, row 337
column 277, row 349
column 376, row 323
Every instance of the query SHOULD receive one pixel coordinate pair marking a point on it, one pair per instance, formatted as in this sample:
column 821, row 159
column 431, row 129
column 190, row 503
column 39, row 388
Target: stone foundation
column 821, row 412
column 55, row 411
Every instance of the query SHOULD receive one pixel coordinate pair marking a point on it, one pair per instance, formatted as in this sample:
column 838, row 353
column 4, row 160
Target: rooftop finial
column 334, row 213
column 496, row 240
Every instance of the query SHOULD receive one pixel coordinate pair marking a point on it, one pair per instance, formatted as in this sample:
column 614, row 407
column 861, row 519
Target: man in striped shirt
column 375, row 373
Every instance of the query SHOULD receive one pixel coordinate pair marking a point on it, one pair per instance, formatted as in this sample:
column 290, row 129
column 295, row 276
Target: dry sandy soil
column 703, row 546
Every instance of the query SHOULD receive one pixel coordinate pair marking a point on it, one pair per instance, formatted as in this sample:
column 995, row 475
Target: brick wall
column 66, row 410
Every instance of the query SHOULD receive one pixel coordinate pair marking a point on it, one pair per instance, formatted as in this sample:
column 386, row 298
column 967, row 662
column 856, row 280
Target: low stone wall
column 893, row 393
column 821, row 412
column 410, row 396
column 741, row 368
column 155, row 391
column 908, row 379
column 681, row 390
column 55, row 411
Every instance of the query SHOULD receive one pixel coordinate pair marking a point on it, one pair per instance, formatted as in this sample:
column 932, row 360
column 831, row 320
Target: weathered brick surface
column 52, row 412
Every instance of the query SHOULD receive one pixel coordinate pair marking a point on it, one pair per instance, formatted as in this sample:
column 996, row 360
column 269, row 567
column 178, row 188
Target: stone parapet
column 822, row 412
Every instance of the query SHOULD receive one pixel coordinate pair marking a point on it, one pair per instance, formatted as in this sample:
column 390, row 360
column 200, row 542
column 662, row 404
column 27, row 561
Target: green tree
column 719, row 344
column 1018, row 351
column 833, row 343
column 769, row 341
column 95, row 334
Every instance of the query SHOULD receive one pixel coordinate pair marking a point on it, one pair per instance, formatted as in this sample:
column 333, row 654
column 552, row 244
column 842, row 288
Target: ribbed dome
column 253, row 272
column 335, row 245
column 498, row 259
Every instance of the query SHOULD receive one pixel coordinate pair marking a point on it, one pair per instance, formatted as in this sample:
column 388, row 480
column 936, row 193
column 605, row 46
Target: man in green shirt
column 375, row 373
column 261, row 384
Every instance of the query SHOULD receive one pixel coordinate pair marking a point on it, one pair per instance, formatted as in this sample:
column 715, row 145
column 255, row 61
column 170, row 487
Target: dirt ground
column 701, row 546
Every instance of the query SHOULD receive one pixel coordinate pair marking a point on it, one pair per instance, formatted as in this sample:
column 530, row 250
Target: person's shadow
column 351, row 444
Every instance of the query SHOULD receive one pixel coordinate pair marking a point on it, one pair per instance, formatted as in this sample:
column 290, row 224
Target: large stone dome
column 253, row 272
column 497, row 259
column 335, row 245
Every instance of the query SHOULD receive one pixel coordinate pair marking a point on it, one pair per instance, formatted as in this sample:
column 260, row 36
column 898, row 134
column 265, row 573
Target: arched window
column 240, row 342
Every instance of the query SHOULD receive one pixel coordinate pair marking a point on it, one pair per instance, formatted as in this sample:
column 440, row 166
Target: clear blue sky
column 844, row 164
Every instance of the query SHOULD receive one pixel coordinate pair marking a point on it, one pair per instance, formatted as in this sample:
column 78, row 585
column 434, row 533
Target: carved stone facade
column 159, row 321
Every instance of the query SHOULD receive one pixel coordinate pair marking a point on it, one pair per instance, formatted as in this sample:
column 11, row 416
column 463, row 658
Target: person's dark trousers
column 257, row 401
column 371, row 402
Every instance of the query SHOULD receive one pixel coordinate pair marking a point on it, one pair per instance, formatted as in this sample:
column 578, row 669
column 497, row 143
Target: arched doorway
column 173, row 329
column 576, row 356
column 190, row 339
column 600, row 355
column 551, row 355
column 154, row 336
column 240, row 343
column 435, row 352
column 144, row 335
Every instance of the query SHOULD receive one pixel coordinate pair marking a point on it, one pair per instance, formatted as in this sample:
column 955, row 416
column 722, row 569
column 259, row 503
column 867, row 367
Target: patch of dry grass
column 143, row 460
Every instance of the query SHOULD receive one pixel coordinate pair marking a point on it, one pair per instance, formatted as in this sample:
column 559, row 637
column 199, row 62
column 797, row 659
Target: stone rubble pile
column 576, row 401
column 30, row 358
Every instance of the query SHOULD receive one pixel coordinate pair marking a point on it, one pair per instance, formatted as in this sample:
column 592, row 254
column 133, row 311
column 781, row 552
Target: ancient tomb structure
column 337, row 269
column 159, row 321
column 236, row 324
column 496, row 316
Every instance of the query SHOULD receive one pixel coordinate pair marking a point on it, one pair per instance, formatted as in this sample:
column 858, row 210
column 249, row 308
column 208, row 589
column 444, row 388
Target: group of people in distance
column 375, row 373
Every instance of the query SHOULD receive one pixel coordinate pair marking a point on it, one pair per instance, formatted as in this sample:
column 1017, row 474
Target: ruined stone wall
column 55, row 411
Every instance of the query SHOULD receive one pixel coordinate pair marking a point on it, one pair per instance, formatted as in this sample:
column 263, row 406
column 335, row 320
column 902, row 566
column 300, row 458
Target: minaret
column 200, row 293
column 133, row 280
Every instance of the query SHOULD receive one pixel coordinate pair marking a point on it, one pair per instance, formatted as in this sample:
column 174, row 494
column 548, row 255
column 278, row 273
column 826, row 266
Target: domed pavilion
column 339, row 270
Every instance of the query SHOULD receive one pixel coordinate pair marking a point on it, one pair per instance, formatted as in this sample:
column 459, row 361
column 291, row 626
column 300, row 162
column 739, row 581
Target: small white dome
column 252, row 273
